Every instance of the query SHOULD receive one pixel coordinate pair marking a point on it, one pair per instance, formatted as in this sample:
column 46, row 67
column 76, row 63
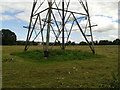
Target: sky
column 16, row 13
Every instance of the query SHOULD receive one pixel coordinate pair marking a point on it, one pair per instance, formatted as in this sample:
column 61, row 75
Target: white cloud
column 96, row 7
column 23, row 16
column 106, row 37
column 104, row 24
column 58, row 0
column 104, row 8
column 16, row 1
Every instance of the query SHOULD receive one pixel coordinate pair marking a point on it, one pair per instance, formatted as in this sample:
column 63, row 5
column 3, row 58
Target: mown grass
column 22, row 72
column 56, row 55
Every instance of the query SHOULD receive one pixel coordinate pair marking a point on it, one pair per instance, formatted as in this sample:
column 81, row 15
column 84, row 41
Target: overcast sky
column 14, row 14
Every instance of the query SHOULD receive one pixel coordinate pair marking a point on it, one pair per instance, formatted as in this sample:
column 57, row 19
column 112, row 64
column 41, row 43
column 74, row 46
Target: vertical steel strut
column 63, row 41
column 46, row 51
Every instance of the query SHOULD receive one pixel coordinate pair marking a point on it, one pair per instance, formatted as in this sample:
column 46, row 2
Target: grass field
column 19, row 72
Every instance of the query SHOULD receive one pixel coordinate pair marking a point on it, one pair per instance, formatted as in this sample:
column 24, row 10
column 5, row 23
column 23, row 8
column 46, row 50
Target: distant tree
column 20, row 42
column 82, row 43
column 96, row 43
column 57, row 43
column 8, row 37
column 73, row 43
column 105, row 42
column 68, row 43
column 116, row 42
column 110, row 43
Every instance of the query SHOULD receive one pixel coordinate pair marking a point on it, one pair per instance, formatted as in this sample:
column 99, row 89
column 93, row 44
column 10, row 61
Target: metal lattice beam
column 47, row 24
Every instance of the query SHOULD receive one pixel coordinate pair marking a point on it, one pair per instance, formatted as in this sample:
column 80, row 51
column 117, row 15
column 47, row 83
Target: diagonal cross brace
column 83, row 34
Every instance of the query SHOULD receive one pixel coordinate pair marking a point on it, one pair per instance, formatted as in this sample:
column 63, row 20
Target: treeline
column 9, row 38
column 101, row 42
column 24, row 42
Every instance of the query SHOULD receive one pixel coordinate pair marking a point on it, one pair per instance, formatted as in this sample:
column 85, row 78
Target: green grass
column 24, row 72
column 56, row 55
column 112, row 83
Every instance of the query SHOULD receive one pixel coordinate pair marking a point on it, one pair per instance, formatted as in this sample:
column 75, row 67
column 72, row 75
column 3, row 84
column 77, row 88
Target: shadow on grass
column 56, row 55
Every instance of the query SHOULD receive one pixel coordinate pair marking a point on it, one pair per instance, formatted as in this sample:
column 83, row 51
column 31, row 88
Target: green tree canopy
column 8, row 37
column 116, row 42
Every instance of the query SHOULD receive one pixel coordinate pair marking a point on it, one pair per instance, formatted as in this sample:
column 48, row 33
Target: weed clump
column 7, row 60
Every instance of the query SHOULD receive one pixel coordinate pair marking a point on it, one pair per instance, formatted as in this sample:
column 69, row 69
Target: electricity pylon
column 46, row 25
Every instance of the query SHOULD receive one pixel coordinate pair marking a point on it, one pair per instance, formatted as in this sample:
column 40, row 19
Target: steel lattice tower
column 43, row 26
